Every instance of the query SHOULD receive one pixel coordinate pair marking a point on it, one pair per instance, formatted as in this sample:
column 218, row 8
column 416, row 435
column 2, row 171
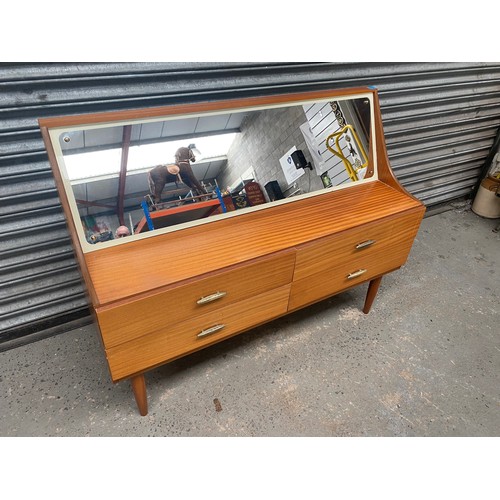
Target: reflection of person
column 122, row 231
column 183, row 158
column 161, row 174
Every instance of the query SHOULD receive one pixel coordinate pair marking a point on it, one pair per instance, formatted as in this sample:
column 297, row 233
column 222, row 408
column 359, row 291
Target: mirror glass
column 127, row 179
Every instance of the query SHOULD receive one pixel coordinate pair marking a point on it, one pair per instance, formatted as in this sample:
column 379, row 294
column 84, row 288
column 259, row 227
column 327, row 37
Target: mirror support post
column 127, row 133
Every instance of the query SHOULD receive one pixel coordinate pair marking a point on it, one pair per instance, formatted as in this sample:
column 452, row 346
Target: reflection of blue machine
column 361, row 160
column 182, row 213
column 149, row 222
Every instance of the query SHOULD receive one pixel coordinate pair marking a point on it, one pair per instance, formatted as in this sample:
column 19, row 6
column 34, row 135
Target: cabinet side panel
column 385, row 173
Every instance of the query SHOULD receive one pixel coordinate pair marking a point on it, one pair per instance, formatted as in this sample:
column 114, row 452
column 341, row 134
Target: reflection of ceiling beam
column 111, row 202
column 127, row 132
column 94, row 204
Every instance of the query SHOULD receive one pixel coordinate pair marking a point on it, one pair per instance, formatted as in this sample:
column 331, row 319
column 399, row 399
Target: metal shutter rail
column 440, row 120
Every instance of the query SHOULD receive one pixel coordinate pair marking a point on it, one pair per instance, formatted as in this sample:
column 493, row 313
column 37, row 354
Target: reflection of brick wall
column 265, row 137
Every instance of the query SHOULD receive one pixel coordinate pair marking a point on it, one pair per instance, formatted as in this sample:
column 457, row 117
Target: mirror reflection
column 134, row 178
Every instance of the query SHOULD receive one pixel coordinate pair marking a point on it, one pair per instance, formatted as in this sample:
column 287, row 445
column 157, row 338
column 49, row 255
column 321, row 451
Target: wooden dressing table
column 164, row 294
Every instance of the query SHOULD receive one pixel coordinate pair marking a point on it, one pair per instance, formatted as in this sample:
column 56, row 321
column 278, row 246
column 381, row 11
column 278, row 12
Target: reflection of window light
column 107, row 162
column 93, row 164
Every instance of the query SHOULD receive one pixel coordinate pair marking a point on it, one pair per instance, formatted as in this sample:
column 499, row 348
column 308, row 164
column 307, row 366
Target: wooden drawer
column 176, row 340
column 329, row 252
column 134, row 319
column 340, row 265
column 336, row 278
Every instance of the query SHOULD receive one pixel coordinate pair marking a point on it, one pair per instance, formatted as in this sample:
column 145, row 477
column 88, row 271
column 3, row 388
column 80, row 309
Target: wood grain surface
column 143, row 266
column 182, row 338
column 162, row 310
column 322, row 254
column 197, row 108
column 334, row 278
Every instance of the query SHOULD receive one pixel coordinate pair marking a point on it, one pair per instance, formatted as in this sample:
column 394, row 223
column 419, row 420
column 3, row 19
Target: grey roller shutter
column 440, row 120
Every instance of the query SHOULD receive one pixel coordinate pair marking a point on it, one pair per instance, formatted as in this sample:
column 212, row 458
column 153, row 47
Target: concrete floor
column 424, row 362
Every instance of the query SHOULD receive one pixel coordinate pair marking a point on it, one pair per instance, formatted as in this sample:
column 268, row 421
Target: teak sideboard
column 164, row 296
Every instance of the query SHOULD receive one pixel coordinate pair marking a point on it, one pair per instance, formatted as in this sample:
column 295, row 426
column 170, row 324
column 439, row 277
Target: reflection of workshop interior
column 108, row 166
column 116, row 182
column 355, row 147
column 179, row 214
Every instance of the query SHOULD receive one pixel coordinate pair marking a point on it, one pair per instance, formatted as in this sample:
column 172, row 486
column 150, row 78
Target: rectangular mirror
column 130, row 175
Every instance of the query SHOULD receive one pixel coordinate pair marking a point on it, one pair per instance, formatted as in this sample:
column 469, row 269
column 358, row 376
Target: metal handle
column 355, row 274
column 365, row 244
column 211, row 298
column 210, row 330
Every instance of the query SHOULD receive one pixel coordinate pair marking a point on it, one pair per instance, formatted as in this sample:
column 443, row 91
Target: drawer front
column 348, row 246
column 344, row 274
column 136, row 318
column 182, row 338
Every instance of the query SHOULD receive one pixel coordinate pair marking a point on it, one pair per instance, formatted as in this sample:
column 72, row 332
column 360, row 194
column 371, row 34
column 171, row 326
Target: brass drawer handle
column 365, row 244
column 210, row 330
column 211, row 298
column 355, row 274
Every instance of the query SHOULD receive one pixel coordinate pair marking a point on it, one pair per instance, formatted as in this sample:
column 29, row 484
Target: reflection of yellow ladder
column 352, row 170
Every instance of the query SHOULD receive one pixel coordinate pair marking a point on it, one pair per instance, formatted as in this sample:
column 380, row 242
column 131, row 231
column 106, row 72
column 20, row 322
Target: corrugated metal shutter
column 440, row 121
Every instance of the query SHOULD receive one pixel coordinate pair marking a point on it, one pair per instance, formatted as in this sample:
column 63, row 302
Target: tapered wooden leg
column 141, row 398
column 370, row 295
